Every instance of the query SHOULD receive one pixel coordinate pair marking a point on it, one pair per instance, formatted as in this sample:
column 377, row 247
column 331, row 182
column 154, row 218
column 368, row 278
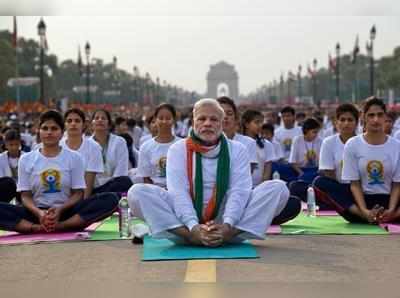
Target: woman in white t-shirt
column 51, row 182
column 89, row 150
column 371, row 163
column 114, row 155
column 9, row 166
column 331, row 156
column 153, row 153
column 251, row 124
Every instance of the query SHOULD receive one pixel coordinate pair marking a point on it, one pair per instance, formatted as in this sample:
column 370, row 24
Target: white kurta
column 251, row 211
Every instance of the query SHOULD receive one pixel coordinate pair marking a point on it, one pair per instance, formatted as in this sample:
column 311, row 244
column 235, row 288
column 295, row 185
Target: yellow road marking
column 201, row 271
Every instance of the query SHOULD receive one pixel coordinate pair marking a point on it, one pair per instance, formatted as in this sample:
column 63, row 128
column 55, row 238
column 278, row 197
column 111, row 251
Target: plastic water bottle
column 311, row 205
column 124, row 218
column 276, row 176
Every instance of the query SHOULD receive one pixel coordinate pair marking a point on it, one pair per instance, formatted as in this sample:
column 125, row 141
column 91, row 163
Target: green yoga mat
column 165, row 250
column 328, row 225
column 109, row 230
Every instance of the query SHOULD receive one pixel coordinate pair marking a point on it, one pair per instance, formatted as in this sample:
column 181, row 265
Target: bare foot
column 35, row 229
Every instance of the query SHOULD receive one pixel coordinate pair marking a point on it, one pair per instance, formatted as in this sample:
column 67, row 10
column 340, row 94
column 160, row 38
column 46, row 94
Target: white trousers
column 154, row 205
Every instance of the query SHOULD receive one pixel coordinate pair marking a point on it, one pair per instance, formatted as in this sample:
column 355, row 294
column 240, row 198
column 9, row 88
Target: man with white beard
column 209, row 200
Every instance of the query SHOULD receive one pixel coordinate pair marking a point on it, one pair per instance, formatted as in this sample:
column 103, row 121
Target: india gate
column 222, row 80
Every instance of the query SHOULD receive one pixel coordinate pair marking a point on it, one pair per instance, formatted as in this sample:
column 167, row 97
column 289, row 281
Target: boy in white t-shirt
column 304, row 154
column 304, row 157
column 229, row 126
column 331, row 156
column 372, row 165
column 9, row 166
column 267, row 131
column 284, row 136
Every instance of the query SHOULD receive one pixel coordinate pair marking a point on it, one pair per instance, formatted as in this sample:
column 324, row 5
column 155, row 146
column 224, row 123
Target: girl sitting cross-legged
column 51, row 181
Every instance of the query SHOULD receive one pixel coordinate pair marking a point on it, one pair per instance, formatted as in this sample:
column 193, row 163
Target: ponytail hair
column 247, row 117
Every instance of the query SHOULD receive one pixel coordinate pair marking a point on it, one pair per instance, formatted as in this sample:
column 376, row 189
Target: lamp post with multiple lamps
column 42, row 35
column 370, row 51
column 337, row 72
column 87, row 52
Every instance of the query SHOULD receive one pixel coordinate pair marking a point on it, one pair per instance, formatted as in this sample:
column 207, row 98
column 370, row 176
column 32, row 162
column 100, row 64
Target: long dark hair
column 129, row 143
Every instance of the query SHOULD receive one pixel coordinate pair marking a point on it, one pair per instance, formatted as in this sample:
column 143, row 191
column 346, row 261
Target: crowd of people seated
column 206, row 179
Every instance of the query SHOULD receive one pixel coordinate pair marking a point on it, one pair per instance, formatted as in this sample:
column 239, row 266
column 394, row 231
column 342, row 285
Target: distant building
column 222, row 80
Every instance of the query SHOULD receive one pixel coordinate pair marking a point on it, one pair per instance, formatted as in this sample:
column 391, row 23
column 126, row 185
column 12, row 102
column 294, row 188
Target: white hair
column 209, row 102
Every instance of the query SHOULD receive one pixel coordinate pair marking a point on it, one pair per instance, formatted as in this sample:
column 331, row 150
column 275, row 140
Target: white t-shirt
column 9, row 166
column 90, row 152
column 264, row 155
column 397, row 135
column 239, row 188
column 328, row 132
column 331, row 156
column 285, row 137
column 136, row 133
column 278, row 153
column 144, row 139
column 153, row 161
column 376, row 166
column 250, row 144
column 27, row 138
column 305, row 154
column 115, row 160
column 51, row 179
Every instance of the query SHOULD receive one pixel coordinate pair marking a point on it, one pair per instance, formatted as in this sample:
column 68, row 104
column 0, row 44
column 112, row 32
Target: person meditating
column 371, row 163
column 209, row 199
column 51, row 181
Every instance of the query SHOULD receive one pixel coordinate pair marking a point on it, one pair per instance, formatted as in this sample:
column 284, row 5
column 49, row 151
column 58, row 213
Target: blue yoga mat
column 165, row 250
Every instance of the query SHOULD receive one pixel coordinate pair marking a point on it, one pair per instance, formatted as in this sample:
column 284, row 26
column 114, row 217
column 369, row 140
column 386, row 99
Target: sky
column 178, row 40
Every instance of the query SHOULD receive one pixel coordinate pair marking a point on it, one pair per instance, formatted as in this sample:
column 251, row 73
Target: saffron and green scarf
column 195, row 146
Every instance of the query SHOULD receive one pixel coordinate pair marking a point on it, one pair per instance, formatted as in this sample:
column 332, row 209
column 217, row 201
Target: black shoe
column 137, row 241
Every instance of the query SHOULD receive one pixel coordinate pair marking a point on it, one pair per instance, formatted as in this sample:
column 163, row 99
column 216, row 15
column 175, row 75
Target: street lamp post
column 136, row 87
column 288, row 87
column 370, row 51
column 87, row 52
column 299, row 81
column 42, row 35
column 315, row 64
column 337, row 68
column 157, row 92
column 148, row 88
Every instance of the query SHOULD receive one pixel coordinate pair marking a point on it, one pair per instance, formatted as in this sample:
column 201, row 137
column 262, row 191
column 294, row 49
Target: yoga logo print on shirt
column 162, row 167
column 287, row 144
column 51, row 181
column 375, row 172
column 311, row 158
